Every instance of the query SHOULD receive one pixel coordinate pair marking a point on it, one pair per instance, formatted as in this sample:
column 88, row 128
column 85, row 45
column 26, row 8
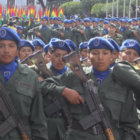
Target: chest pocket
column 114, row 99
column 23, row 99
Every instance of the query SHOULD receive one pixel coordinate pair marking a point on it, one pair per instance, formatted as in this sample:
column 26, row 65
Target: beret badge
column 61, row 44
column 2, row 33
column 131, row 43
column 96, row 42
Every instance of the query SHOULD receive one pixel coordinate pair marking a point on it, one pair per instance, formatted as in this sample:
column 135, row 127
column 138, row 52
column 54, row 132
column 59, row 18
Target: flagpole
column 106, row 8
column 136, row 8
column 124, row 9
column 117, row 15
column 129, row 8
column 113, row 8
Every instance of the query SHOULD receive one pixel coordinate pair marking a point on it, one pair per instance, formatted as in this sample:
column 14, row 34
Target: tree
column 72, row 8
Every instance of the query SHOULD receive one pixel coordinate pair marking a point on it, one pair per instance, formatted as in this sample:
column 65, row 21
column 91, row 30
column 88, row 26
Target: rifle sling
column 3, row 109
column 8, row 125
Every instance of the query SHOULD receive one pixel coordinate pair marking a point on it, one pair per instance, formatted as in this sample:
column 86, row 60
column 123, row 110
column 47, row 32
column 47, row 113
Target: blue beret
column 50, row 18
column 59, row 44
column 67, row 21
column 83, row 45
column 38, row 42
column 72, row 16
column 78, row 19
column 106, row 22
column 135, row 19
column 123, row 20
column 100, row 19
column 46, row 48
column 45, row 17
column 26, row 43
column 55, row 18
column 87, row 20
column 73, row 21
column 99, row 43
column 94, row 20
column 20, row 27
column 52, row 39
column 9, row 34
column 130, row 20
column 114, row 43
column 71, row 44
column 131, row 44
column 59, row 18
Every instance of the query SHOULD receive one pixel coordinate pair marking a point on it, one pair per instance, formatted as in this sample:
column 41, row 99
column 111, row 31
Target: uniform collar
column 58, row 72
column 22, row 68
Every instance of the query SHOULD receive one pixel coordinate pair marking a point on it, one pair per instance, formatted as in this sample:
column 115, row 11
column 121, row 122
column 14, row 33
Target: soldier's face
column 8, row 51
column 84, row 53
column 139, row 22
column 94, row 24
column 67, row 25
column 44, row 22
column 24, row 52
column 123, row 24
column 19, row 31
column 38, row 48
column 128, row 55
column 87, row 24
column 56, row 59
column 100, row 59
column 105, row 26
column 112, row 29
column 55, row 21
column 114, row 56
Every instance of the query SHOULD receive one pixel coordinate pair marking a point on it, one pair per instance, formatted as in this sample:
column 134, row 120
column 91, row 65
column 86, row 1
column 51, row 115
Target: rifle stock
column 38, row 60
column 24, row 136
column 109, row 134
column 92, row 98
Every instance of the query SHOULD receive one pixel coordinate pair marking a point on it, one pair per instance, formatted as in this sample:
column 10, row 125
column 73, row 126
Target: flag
column 61, row 14
column 0, row 10
column 53, row 14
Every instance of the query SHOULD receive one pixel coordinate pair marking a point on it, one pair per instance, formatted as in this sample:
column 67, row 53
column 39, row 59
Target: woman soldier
column 22, row 85
column 117, row 99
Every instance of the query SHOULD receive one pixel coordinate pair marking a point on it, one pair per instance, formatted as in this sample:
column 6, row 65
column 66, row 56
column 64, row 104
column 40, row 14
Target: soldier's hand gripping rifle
column 12, row 118
column 38, row 60
column 98, row 115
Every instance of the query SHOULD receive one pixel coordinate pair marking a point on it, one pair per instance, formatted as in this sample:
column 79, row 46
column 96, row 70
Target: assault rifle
column 98, row 115
column 9, row 112
column 38, row 60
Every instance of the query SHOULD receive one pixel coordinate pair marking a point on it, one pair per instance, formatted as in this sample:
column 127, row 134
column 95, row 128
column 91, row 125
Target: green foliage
column 71, row 8
column 98, row 10
column 87, row 5
column 97, row 7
